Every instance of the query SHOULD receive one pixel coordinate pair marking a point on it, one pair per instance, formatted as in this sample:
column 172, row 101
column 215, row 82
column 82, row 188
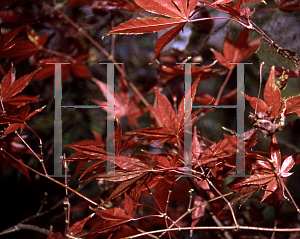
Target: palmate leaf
column 11, row 87
column 176, row 12
column 241, row 50
column 124, row 104
column 266, row 174
column 145, row 25
column 166, row 38
column 113, row 218
column 16, row 123
column 173, row 125
column 272, row 98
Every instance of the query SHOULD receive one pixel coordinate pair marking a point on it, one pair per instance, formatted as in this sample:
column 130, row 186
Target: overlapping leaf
column 112, row 218
column 18, row 122
column 229, row 7
column 266, row 174
column 173, row 125
column 272, row 97
column 10, row 87
column 176, row 14
column 24, row 48
column 124, row 105
column 274, row 106
column 93, row 151
column 241, row 50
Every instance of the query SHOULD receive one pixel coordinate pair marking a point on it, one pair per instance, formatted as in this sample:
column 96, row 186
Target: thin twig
column 223, row 85
column 21, row 226
column 67, row 206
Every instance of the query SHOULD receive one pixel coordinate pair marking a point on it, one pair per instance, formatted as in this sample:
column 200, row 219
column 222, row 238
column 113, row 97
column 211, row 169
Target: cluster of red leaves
column 176, row 14
column 149, row 171
column 15, row 114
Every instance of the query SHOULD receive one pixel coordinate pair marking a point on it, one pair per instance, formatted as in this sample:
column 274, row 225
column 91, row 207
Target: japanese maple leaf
column 88, row 150
column 10, row 87
column 173, row 124
column 274, row 170
column 81, row 156
column 241, row 50
column 176, row 14
column 19, row 122
column 273, row 107
column 124, row 105
column 112, row 218
column 268, row 111
column 268, row 173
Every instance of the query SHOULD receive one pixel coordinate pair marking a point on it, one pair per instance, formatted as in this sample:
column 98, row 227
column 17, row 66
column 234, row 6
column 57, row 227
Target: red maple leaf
column 267, row 174
column 10, row 87
column 273, row 108
column 176, row 14
column 19, row 122
column 94, row 151
column 112, row 218
column 173, row 124
column 241, row 50
column 124, row 104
